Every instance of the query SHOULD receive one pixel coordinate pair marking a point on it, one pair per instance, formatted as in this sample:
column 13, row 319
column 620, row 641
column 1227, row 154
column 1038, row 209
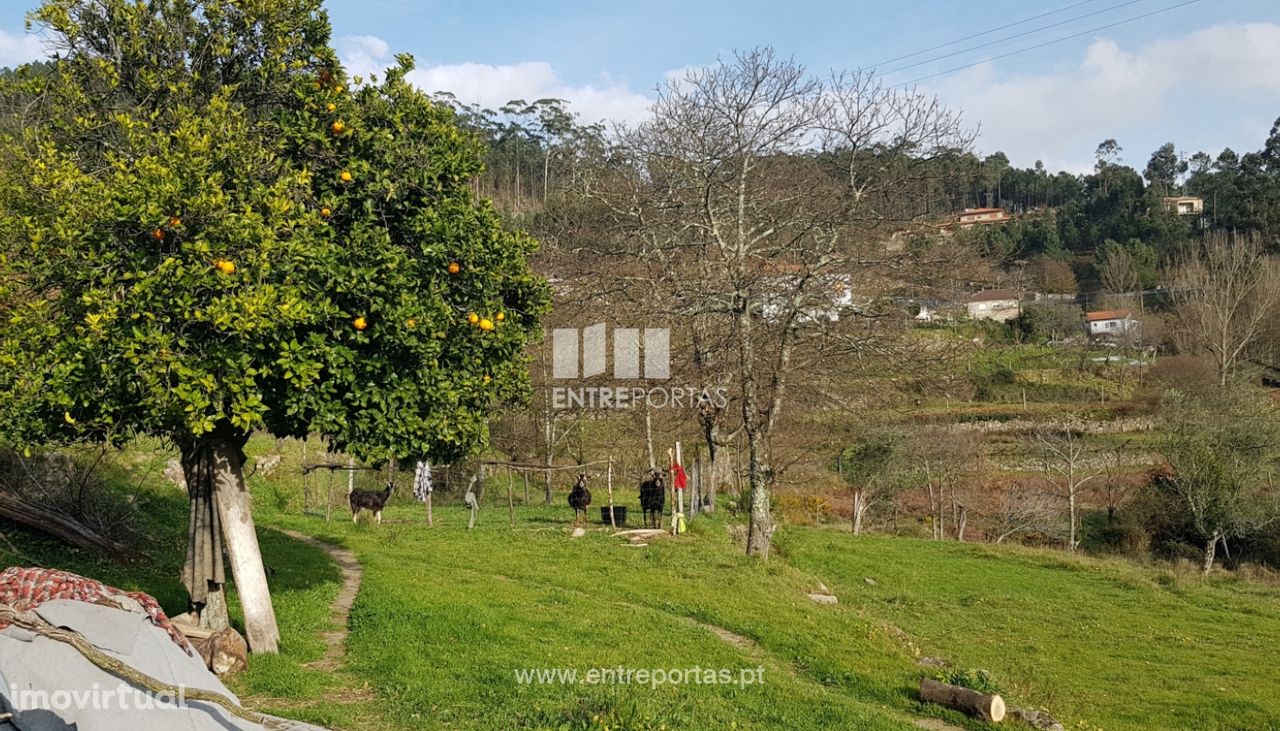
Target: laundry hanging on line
column 422, row 481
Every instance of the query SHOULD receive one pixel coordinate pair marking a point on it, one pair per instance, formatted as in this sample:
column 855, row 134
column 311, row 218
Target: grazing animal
column 653, row 497
column 369, row 500
column 580, row 499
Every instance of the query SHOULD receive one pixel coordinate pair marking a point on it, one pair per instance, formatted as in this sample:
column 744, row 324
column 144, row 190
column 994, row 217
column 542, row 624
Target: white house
column 970, row 217
column 1110, row 323
column 826, row 298
column 1184, row 205
column 1000, row 305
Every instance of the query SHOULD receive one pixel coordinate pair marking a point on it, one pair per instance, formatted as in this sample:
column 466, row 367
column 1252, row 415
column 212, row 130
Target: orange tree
column 206, row 229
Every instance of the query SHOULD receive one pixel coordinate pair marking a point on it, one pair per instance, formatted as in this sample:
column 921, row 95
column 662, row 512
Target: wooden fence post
column 613, row 521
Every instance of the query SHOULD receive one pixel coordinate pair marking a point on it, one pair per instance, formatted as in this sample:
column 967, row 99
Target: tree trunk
column 1071, row 502
column 217, row 465
column 1210, row 551
column 859, row 510
column 760, row 526
column 648, row 435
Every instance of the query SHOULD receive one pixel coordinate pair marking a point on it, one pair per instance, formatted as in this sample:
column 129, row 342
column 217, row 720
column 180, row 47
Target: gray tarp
column 49, row 686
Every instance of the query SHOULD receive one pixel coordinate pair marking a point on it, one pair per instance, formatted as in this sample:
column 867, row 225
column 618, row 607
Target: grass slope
column 1102, row 644
column 446, row 617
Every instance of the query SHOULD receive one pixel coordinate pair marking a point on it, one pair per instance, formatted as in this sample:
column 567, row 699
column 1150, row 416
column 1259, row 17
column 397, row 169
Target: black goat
column 580, row 499
column 369, row 500
column 653, row 497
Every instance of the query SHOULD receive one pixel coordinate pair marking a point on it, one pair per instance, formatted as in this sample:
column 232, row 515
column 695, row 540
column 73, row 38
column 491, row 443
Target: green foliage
column 1040, row 323
column 208, row 232
column 872, row 457
column 1222, row 449
column 979, row 680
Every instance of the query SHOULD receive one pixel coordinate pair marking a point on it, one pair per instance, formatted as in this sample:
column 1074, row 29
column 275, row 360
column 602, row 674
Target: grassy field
column 447, row 617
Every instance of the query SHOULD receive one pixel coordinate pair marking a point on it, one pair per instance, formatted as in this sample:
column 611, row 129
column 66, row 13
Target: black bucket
column 619, row 514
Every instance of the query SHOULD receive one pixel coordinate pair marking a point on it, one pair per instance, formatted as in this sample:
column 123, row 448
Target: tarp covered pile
column 49, row 685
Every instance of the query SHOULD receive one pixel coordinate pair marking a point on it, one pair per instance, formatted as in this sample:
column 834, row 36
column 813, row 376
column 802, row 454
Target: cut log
column 971, row 702
column 70, row 531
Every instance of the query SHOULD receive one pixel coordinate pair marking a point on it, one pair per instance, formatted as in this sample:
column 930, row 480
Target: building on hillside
column 1185, row 205
column 1110, row 323
column 1000, row 305
column 816, row 297
column 981, row 216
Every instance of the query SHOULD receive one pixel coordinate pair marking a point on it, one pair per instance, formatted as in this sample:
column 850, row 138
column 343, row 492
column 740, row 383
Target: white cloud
column 364, row 55
column 1112, row 92
column 19, row 49
column 494, row 85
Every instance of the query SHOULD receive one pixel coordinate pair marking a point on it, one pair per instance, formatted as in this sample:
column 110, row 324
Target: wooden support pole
column 511, row 501
column 328, row 505
column 241, row 539
column 613, row 521
column 525, row 473
column 306, row 479
column 679, row 461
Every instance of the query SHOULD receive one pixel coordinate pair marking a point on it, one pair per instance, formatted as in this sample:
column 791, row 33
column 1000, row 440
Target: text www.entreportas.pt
column 652, row 677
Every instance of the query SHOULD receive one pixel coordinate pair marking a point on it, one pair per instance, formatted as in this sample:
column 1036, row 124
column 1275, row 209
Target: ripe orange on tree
column 454, row 267
column 346, row 176
column 158, row 234
column 473, row 318
column 332, row 107
column 411, row 323
column 486, row 324
column 224, row 266
column 360, row 323
column 174, row 222
column 339, row 127
column 325, row 212
column 500, row 316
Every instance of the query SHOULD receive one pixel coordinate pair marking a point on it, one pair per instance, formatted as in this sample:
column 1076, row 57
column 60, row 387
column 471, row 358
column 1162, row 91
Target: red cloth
column 26, row 589
column 678, row 477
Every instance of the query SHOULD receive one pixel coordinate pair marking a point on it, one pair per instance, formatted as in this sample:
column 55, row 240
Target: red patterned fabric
column 25, row 589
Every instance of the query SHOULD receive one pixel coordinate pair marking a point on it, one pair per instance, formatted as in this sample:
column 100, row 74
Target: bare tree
column 752, row 207
column 947, row 461
column 1022, row 509
column 1119, row 272
column 1226, row 294
column 1068, row 465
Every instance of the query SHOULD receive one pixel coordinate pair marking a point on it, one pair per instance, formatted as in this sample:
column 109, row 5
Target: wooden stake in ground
column 613, row 521
column 328, row 505
column 472, row 501
column 974, row 703
column 511, row 501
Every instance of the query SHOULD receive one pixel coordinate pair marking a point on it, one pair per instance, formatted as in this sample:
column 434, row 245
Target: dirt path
column 340, row 609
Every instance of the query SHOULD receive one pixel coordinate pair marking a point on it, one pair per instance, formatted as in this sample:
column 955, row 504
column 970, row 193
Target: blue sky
column 1204, row 76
